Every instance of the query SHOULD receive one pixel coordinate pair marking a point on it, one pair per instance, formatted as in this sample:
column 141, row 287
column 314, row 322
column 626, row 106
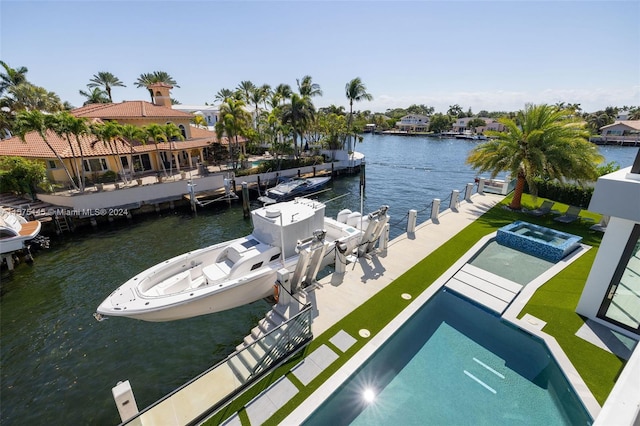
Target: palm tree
column 172, row 133
column 12, row 77
column 133, row 134
column 541, row 142
column 96, row 96
column 355, row 90
column 245, row 88
column 36, row 121
column 223, row 94
column 147, row 79
column 107, row 80
column 298, row 113
column 156, row 133
column 62, row 123
column 282, row 93
column 110, row 133
column 234, row 119
column 307, row 88
column 26, row 96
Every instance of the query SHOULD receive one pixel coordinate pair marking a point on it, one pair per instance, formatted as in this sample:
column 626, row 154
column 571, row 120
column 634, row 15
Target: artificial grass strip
column 554, row 302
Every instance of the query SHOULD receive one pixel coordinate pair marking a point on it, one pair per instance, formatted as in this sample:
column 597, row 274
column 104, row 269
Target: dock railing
column 211, row 390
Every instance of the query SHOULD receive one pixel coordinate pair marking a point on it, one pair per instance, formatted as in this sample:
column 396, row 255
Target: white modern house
column 611, row 295
column 210, row 113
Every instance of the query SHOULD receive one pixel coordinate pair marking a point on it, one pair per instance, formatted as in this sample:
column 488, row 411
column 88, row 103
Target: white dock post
column 468, row 192
column 481, row 186
column 455, row 196
column 283, row 277
column 341, row 258
column 125, row 401
column 411, row 222
column 435, row 209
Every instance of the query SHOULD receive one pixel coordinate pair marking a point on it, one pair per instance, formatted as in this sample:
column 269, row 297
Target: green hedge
column 568, row 193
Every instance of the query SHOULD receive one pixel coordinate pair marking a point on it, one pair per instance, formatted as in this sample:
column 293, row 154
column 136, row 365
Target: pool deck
column 336, row 295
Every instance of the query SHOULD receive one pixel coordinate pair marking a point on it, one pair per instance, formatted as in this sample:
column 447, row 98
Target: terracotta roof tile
column 128, row 109
column 35, row 147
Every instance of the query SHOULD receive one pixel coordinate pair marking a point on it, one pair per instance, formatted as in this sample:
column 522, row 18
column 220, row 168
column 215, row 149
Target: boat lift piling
column 376, row 223
column 311, row 251
column 245, row 200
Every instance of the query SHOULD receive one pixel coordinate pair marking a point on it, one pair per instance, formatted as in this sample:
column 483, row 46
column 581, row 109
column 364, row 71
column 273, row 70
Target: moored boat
column 232, row 273
column 16, row 231
column 295, row 187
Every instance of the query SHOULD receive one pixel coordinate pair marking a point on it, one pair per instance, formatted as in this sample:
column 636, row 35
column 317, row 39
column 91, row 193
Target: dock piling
column 245, row 200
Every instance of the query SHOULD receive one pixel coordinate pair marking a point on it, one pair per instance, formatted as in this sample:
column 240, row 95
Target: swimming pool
column 510, row 263
column 454, row 362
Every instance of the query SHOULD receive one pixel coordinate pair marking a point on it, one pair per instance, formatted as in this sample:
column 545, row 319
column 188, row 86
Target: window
column 95, row 165
column 621, row 304
column 256, row 266
column 183, row 131
column 52, row 164
column 141, row 162
column 274, row 257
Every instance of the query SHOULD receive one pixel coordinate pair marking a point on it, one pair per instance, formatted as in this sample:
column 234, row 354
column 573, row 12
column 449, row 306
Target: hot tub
column 537, row 240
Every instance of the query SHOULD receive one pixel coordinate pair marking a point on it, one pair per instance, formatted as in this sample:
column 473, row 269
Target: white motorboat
column 16, row 231
column 295, row 187
column 233, row 273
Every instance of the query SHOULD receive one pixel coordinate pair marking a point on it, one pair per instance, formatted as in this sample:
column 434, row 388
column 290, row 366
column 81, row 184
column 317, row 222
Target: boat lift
column 228, row 194
column 376, row 224
column 311, row 251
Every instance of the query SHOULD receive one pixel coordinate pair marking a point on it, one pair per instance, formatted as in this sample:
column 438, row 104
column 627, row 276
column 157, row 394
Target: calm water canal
column 59, row 364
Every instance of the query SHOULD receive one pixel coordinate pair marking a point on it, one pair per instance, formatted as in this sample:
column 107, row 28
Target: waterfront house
column 461, row 125
column 412, row 123
column 210, row 113
column 123, row 156
column 611, row 295
column 623, row 131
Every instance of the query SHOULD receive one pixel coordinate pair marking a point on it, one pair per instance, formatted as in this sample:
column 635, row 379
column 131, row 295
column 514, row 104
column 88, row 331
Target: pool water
column 510, row 263
column 455, row 363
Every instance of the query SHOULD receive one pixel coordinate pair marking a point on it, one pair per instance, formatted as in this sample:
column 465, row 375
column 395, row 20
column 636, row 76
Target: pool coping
column 309, row 405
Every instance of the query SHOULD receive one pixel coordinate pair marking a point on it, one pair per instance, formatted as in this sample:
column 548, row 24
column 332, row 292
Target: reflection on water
column 59, row 364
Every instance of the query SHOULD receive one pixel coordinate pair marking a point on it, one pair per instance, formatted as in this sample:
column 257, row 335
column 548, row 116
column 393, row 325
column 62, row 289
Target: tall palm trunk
column 84, row 173
column 517, row 193
column 66, row 169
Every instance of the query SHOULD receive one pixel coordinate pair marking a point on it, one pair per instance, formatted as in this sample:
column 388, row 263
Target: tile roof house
column 100, row 157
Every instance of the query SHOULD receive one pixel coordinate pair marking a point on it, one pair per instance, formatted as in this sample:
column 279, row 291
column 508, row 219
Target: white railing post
column 468, row 192
column 455, row 195
column 481, row 186
column 411, row 222
column 435, row 209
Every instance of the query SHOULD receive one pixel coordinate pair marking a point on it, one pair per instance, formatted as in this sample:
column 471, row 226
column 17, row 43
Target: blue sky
column 484, row 55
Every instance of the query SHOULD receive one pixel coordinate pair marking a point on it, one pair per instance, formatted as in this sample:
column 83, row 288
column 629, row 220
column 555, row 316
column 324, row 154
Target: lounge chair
column 571, row 215
column 544, row 208
column 602, row 225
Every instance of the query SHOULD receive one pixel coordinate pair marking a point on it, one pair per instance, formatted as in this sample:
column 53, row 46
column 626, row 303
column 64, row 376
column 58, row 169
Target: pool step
column 490, row 290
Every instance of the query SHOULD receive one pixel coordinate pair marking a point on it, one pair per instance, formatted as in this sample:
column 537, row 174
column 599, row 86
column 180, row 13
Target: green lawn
column 554, row 303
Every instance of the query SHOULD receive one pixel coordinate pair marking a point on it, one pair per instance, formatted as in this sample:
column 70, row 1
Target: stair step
column 239, row 369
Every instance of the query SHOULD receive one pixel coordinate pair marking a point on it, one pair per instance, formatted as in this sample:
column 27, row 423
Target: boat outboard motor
column 311, row 252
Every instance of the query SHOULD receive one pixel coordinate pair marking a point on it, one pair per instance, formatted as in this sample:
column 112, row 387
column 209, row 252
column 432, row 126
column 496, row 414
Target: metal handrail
column 307, row 310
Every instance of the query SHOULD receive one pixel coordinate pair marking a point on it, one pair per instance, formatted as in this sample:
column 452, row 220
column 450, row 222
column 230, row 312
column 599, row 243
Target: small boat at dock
column 16, row 231
column 295, row 187
column 236, row 272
